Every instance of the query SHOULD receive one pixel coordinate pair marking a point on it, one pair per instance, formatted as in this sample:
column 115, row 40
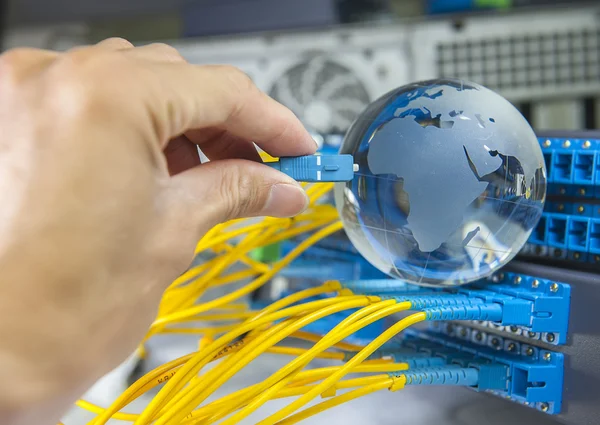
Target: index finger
column 195, row 97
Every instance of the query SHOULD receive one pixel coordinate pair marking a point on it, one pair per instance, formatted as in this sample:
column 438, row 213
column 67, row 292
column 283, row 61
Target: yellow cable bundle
column 241, row 335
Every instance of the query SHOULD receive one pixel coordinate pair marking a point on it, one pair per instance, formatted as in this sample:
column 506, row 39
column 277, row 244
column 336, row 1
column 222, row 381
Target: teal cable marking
column 468, row 377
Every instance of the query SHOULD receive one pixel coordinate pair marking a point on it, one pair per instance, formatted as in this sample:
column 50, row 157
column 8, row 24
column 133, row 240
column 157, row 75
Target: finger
column 230, row 189
column 114, row 43
column 181, row 155
column 156, row 52
column 218, row 144
column 188, row 97
column 16, row 65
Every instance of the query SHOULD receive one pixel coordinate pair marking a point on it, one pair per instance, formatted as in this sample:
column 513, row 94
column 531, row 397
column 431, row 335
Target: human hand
column 104, row 199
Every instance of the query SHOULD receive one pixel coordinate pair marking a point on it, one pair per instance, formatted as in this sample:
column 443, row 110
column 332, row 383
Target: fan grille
column 326, row 95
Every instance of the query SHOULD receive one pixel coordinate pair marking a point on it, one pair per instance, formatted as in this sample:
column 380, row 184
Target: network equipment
column 524, row 334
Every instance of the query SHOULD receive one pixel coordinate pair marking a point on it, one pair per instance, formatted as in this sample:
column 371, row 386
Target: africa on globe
column 452, row 181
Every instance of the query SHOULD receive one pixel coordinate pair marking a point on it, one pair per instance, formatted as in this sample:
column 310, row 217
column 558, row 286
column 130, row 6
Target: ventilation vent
column 525, row 61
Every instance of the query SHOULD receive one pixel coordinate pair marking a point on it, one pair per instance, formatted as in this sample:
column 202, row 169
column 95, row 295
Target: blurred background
column 327, row 59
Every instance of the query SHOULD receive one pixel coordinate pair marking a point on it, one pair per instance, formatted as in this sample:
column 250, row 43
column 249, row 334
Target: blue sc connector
column 482, row 377
column 487, row 312
column 317, row 168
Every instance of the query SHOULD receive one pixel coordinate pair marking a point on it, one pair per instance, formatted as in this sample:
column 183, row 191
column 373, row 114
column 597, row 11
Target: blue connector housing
column 485, row 312
column 448, row 375
column 529, row 376
column 532, row 306
column 549, row 302
column 572, row 161
column 317, row 168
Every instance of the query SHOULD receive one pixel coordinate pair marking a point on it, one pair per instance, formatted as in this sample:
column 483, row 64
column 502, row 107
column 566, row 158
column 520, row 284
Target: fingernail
column 285, row 200
column 318, row 139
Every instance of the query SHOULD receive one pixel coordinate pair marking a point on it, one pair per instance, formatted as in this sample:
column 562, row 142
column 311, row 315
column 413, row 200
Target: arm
column 104, row 199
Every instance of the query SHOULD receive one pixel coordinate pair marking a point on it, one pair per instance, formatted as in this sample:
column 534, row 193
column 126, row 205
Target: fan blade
column 309, row 78
column 335, row 84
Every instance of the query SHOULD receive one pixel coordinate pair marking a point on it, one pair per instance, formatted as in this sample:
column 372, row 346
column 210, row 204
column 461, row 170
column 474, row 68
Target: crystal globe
column 451, row 183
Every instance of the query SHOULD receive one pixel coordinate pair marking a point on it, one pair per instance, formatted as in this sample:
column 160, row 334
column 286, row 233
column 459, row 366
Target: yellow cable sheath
column 130, row 394
column 314, row 305
column 336, row 401
column 242, row 358
column 257, row 283
column 198, row 331
column 286, row 373
column 225, row 236
column 288, row 234
column 296, row 297
column 238, row 315
column 194, row 365
column 362, row 355
column 278, row 391
column 292, row 351
column 200, row 285
column 307, row 336
column 347, row 327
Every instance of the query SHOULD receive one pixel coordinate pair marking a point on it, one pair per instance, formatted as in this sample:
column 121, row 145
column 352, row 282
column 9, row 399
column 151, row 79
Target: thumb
column 228, row 189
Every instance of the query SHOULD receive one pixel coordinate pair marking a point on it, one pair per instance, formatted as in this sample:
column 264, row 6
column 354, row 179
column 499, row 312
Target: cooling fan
column 326, row 95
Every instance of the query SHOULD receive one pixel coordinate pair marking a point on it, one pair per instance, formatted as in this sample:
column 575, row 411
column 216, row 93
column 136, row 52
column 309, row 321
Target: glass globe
column 451, row 183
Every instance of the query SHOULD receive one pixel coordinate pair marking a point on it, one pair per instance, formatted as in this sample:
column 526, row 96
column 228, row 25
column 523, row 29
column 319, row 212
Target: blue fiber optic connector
column 317, row 168
column 528, row 375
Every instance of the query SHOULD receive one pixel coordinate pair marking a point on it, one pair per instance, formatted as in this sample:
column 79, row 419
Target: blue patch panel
column 572, row 161
column 533, row 307
column 534, row 377
column 559, row 233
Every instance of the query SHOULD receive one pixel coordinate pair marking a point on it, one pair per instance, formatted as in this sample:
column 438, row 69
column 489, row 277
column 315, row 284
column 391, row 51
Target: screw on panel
column 535, row 283
column 529, row 352
column 479, row 336
column 576, row 255
column 463, row 332
column 514, row 329
column 587, row 144
column 531, row 334
column 566, row 144
column 554, row 287
column 511, row 347
column 547, row 143
column 580, row 209
column 517, row 280
column 562, row 191
column 544, row 407
column 547, row 357
column 597, row 258
column 550, row 337
column 581, row 191
column 495, row 343
column 561, row 207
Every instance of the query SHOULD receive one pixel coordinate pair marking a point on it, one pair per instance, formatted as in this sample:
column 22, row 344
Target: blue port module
column 534, row 377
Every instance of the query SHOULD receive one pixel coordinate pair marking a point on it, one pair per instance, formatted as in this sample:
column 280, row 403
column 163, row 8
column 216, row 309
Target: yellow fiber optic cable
column 336, row 401
column 242, row 397
column 292, row 351
column 347, row 327
column 284, row 375
column 201, row 359
column 257, row 283
column 361, row 356
column 245, row 356
column 307, row 336
column 298, row 309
